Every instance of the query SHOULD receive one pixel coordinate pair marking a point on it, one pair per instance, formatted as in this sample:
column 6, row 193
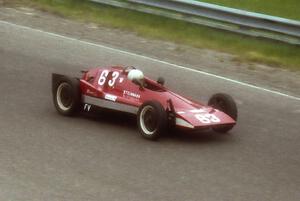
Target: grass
column 287, row 8
column 248, row 49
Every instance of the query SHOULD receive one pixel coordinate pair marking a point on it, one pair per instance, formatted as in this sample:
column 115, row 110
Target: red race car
column 157, row 108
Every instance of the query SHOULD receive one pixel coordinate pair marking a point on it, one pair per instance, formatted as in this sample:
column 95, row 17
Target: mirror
column 161, row 81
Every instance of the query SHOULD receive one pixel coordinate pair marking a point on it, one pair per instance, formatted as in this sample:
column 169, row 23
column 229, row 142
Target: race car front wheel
column 66, row 94
column 152, row 120
column 226, row 104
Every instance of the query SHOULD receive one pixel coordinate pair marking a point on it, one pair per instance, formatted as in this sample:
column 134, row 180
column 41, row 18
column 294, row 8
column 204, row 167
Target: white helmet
column 135, row 74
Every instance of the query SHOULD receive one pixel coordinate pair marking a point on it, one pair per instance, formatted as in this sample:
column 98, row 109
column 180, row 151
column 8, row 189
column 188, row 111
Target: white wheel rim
column 142, row 123
column 59, row 99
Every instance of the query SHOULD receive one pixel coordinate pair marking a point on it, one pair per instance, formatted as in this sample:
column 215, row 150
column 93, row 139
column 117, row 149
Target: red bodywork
column 110, row 88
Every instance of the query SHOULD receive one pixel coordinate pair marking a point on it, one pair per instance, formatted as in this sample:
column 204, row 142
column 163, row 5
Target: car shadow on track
column 129, row 122
column 207, row 136
column 111, row 117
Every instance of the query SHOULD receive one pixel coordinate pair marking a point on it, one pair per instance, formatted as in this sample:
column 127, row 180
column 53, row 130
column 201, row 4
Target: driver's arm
column 141, row 83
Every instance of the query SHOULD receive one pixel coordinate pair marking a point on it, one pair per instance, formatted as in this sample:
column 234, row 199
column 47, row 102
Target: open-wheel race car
column 157, row 108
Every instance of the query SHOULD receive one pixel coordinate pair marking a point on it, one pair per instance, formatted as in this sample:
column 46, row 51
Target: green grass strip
column 286, row 8
column 247, row 48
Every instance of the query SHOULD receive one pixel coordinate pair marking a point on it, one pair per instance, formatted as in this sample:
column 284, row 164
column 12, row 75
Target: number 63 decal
column 104, row 75
column 207, row 118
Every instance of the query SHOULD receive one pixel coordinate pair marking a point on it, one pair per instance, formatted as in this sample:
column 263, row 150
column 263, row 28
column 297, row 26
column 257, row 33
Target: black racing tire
column 226, row 104
column 66, row 95
column 152, row 120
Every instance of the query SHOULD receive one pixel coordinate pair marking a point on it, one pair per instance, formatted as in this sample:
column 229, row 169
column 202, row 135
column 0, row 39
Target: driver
column 137, row 77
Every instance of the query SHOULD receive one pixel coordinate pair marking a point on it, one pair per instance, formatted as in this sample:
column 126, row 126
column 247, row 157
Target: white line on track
column 153, row 59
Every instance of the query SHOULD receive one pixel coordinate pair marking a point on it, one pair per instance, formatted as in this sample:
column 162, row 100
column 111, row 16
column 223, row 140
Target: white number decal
column 207, row 118
column 202, row 118
column 102, row 77
column 214, row 119
column 115, row 75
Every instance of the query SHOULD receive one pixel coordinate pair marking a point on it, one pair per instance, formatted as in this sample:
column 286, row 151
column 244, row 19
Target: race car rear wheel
column 66, row 95
column 226, row 104
column 152, row 120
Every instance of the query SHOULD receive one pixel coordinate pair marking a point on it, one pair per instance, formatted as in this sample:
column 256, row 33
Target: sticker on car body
column 207, row 118
column 87, row 107
column 103, row 77
column 131, row 94
column 110, row 97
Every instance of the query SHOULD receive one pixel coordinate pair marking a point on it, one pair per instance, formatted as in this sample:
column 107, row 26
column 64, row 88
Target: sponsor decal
column 110, row 97
column 131, row 94
column 87, row 107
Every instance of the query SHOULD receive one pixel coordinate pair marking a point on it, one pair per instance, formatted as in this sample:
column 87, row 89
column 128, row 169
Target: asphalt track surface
column 45, row 156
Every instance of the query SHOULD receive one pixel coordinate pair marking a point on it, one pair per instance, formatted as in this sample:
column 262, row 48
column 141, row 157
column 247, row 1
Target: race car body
column 156, row 106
